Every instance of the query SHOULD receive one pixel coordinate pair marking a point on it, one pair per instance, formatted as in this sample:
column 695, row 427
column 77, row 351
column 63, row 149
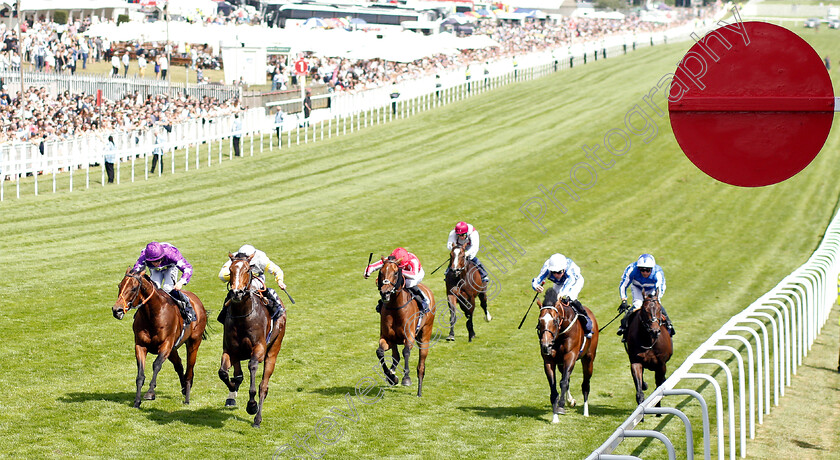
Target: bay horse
column 648, row 344
column 398, row 323
column 463, row 285
column 249, row 334
column 562, row 343
column 159, row 329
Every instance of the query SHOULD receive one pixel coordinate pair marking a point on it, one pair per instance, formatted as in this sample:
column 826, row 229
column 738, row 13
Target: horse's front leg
column 253, row 367
column 567, row 367
column 156, row 367
column 552, row 385
column 140, row 354
column 225, row 377
column 380, row 354
column 482, row 297
column 453, row 316
column 406, row 381
column 636, row 370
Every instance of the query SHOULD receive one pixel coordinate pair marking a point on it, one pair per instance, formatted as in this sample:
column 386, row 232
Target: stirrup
column 620, row 331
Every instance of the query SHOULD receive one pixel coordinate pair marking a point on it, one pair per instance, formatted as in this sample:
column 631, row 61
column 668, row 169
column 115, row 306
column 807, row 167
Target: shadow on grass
column 213, row 417
column 821, row 368
column 333, row 391
column 506, row 412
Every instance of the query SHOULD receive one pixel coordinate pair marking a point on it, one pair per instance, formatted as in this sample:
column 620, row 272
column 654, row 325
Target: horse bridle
column 650, row 322
column 248, row 285
column 464, row 266
column 557, row 322
column 395, row 287
column 127, row 306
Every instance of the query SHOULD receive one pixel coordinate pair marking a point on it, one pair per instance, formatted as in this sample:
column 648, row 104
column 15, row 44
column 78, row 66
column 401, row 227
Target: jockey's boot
column 424, row 302
column 484, row 277
column 223, row 311
column 379, row 305
column 668, row 324
column 275, row 305
column 183, row 302
column 585, row 320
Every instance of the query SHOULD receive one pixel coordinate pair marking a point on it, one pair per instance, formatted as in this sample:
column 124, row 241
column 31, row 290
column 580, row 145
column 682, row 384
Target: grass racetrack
column 68, row 366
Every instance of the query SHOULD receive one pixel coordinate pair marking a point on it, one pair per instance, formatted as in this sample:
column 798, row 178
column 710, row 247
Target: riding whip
column 616, row 317
column 290, row 296
column 441, row 265
column 529, row 310
column 370, row 257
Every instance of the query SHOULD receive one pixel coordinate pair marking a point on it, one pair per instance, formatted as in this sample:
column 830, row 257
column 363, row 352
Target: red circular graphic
column 758, row 114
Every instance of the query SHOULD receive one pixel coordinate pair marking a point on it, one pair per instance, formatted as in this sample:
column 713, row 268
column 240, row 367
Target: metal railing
column 775, row 332
column 115, row 88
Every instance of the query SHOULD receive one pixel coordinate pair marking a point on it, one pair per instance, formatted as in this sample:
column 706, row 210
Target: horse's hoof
column 451, row 338
column 256, row 424
column 186, row 403
column 406, row 381
column 392, row 379
column 136, row 404
column 251, row 408
column 470, row 338
column 230, row 402
column 149, row 396
column 561, row 411
column 555, row 419
column 488, row 317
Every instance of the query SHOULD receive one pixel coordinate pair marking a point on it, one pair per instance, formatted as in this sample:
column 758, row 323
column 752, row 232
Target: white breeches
column 164, row 279
column 411, row 282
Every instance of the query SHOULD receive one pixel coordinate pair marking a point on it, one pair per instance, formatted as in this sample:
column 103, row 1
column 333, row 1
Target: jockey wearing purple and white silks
column 568, row 281
column 466, row 235
column 163, row 262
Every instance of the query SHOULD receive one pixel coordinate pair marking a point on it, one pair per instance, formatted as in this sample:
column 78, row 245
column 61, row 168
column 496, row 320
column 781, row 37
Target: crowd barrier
column 203, row 142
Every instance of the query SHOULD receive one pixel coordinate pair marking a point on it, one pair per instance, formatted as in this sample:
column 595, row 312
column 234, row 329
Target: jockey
column 643, row 277
column 260, row 263
column 466, row 235
column 413, row 273
column 163, row 262
column 568, row 282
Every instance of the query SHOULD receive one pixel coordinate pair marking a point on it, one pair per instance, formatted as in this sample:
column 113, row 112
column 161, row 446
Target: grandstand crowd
column 51, row 47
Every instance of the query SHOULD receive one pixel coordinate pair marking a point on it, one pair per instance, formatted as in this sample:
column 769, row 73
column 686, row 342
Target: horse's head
column 240, row 274
column 129, row 293
column 390, row 278
column 650, row 314
column 457, row 259
column 548, row 328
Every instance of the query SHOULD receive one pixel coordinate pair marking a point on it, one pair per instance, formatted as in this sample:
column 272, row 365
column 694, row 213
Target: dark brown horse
column 158, row 329
column 648, row 344
column 249, row 334
column 463, row 285
column 398, row 323
column 562, row 343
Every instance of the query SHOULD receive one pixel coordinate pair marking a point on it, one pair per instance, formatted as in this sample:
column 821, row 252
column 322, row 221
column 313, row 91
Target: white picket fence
column 347, row 112
column 776, row 332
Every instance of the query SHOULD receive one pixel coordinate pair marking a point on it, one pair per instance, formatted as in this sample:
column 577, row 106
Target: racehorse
column 249, row 334
column 398, row 323
column 562, row 343
column 463, row 285
column 648, row 344
column 159, row 329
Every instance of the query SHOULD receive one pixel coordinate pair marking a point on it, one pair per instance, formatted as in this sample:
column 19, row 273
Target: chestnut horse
column 648, row 344
column 398, row 323
column 249, row 334
column 463, row 285
column 159, row 329
column 562, row 343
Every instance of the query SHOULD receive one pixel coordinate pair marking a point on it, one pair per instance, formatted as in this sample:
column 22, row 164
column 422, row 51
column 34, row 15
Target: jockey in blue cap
column 644, row 277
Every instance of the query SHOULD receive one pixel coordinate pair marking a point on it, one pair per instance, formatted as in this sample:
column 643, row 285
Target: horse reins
column 655, row 320
column 396, row 287
column 558, row 322
column 127, row 306
column 230, row 285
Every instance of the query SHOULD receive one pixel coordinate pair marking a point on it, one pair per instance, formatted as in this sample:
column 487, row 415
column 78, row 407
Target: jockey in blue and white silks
column 643, row 277
column 568, row 281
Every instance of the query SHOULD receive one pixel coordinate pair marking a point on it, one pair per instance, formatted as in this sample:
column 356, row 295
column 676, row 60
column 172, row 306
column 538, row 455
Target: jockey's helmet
column 247, row 249
column 154, row 251
column 646, row 261
column 400, row 253
column 461, row 228
column 557, row 262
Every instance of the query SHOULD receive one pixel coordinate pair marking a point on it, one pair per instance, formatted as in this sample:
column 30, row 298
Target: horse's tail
column 206, row 334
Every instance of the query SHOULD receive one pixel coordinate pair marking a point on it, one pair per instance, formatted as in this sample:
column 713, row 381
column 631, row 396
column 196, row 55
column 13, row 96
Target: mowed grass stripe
column 319, row 209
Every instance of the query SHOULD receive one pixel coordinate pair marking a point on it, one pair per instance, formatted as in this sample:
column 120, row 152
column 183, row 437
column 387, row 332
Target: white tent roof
column 37, row 5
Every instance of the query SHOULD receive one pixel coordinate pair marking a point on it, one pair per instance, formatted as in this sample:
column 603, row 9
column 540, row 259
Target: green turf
column 318, row 210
